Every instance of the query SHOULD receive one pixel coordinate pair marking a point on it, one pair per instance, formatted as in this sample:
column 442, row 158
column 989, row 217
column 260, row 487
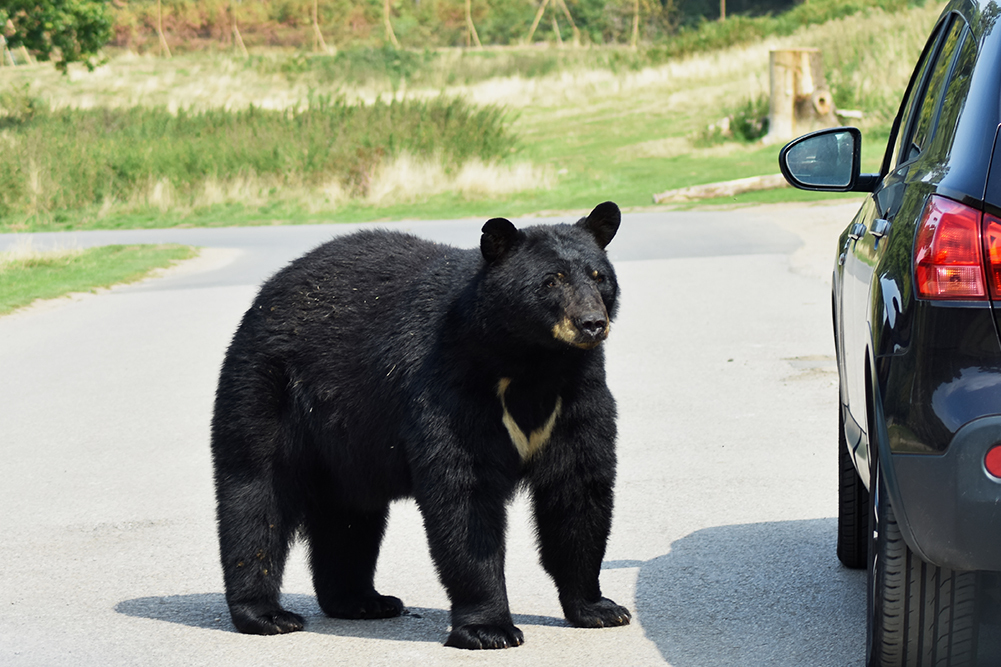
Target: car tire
column 853, row 507
column 918, row 613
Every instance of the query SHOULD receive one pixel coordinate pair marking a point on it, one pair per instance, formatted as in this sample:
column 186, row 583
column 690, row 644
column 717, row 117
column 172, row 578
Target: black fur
column 372, row 369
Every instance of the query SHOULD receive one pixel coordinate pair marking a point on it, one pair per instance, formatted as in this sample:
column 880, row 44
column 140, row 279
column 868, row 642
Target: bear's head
column 552, row 284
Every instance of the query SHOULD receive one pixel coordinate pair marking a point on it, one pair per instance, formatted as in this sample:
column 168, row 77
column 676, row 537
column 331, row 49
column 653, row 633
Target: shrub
column 746, row 123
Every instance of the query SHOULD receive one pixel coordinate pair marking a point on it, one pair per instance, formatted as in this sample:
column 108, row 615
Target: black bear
column 380, row 366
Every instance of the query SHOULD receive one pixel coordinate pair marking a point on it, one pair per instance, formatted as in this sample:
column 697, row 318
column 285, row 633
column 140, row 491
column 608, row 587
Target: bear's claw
column 485, row 636
column 265, row 619
column 601, row 614
column 375, row 606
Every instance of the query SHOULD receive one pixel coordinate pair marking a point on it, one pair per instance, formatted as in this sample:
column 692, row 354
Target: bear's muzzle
column 586, row 331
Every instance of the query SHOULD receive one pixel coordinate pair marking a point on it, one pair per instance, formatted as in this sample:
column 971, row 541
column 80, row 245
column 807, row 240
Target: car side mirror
column 827, row 161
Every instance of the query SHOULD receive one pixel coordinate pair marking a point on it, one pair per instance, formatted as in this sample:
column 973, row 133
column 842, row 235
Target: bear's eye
column 598, row 278
column 554, row 280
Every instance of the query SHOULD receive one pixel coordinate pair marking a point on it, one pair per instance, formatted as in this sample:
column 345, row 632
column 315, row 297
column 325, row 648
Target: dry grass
column 403, row 179
column 217, row 80
column 408, row 179
column 612, row 116
column 23, row 255
column 879, row 67
column 161, row 195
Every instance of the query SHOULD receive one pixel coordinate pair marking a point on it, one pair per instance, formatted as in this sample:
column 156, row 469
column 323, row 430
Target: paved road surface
column 723, row 537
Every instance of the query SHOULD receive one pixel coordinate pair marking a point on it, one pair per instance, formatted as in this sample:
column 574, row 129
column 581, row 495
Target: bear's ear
column 603, row 222
column 499, row 234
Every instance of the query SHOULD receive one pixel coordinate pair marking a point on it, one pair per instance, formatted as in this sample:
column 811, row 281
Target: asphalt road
column 724, row 532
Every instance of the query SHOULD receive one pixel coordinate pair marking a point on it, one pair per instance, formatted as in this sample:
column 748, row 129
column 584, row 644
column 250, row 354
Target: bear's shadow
column 751, row 594
column 208, row 611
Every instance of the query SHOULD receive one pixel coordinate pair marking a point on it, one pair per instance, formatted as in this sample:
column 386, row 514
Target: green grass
column 597, row 124
column 599, row 157
column 69, row 159
column 631, row 184
column 26, row 275
column 146, row 143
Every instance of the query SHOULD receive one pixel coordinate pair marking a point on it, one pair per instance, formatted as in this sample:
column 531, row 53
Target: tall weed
column 67, row 159
column 746, row 123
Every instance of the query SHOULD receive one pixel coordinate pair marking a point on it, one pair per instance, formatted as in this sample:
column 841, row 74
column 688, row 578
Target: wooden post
column 566, row 12
column 390, row 35
column 722, row 10
column 535, row 23
column 159, row 29
column 800, row 99
column 237, row 37
column 573, row 26
column 471, row 36
column 238, row 40
column 636, row 24
column 318, row 43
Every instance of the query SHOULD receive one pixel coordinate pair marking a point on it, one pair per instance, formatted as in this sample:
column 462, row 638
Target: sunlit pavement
column 721, row 361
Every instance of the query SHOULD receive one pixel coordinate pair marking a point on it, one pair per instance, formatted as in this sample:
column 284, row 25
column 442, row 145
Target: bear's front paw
column 485, row 636
column 601, row 614
column 370, row 606
column 261, row 619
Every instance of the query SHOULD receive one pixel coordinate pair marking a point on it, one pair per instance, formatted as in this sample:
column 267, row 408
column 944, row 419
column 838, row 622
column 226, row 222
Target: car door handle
column 857, row 231
column 844, row 253
column 880, row 228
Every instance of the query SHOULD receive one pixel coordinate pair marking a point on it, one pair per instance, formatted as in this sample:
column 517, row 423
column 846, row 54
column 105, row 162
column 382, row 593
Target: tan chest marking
column 527, row 445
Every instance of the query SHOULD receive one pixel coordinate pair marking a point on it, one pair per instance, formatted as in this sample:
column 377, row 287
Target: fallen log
column 722, row 189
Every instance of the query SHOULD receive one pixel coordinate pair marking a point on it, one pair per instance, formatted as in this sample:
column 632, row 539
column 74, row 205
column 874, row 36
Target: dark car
column 917, row 315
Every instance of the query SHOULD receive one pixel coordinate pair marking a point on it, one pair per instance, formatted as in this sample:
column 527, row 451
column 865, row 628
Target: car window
column 926, row 116
column 956, row 91
column 914, row 94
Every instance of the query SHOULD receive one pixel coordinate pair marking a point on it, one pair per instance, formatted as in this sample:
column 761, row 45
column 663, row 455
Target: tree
column 68, row 30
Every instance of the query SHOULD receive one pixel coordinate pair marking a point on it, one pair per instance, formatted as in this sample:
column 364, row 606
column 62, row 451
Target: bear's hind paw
column 368, row 607
column 265, row 619
column 601, row 614
column 485, row 636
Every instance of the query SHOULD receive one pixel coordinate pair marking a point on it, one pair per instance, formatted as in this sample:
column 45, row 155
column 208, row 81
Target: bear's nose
column 593, row 324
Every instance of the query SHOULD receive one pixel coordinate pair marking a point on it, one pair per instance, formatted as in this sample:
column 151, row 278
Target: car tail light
column 993, row 461
column 992, row 246
column 948, row 260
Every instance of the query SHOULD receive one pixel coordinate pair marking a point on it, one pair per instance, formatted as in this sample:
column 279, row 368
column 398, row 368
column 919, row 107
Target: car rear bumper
column 950, row 504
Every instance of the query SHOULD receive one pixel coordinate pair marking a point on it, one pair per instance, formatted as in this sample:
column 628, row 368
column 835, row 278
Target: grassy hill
column 515, row 130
